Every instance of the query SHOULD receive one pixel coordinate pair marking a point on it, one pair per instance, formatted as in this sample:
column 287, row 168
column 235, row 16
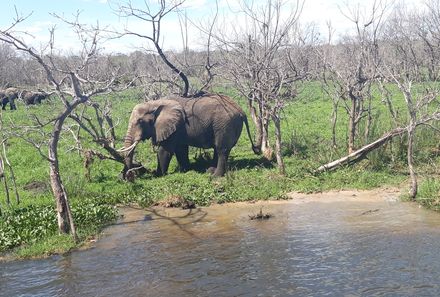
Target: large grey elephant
column 8, row 96
column 174, row 123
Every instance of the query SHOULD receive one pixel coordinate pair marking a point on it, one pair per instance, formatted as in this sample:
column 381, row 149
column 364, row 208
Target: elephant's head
column 157, row 120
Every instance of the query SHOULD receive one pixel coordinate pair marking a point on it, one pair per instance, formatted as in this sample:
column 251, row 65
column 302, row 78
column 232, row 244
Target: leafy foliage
column 34, row 222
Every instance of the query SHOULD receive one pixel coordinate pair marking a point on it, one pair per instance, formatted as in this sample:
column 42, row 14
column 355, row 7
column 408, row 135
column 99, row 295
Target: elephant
column 8, row 96
column 32, row 98
column 173, row 123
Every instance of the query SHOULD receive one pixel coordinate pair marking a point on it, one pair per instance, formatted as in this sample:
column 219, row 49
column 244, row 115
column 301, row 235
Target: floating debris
column 260, row 215
column 369, row 211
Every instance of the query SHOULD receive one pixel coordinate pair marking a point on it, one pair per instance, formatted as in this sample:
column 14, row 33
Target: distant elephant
column 8, row 96
column 174, row 123
column 32, row 97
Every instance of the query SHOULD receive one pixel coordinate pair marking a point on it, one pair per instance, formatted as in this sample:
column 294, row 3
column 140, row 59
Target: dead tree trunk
column 352, row 126
column 5, row 181
column 64, row 215
column 280, row 162
column 411, row 135
column 11, row 170
column 410, row 159
column 359, row 154
column 334, row 121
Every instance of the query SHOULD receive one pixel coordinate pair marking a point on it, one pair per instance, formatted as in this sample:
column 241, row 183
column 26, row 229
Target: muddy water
column 336, row 244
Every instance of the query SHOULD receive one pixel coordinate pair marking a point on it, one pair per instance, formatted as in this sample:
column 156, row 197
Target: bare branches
column 256, row 56
column 75, row 81
column 154, row 18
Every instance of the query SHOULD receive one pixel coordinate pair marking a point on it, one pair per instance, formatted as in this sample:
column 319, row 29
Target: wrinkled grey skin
column 8, row 96
column 32, row 97
column 174, row 123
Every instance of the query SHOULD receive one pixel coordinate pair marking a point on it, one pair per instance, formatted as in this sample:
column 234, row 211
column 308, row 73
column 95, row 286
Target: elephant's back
column 11, row 91
column 211, row 118
column 211, row 104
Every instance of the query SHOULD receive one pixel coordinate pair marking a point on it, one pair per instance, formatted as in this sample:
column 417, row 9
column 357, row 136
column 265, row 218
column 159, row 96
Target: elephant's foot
column 218, row 173
column 211, row 170
column 215, row 172
column 183, row 169
column 129, row 176
column 158, row 173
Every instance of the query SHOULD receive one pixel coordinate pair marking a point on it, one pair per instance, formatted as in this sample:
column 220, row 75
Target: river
column 347, row 243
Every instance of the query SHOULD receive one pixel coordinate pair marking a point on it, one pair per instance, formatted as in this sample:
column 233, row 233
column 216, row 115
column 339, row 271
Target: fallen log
column 359, row 154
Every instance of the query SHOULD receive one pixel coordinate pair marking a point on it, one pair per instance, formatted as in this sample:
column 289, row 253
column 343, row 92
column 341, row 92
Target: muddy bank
column 160, row 211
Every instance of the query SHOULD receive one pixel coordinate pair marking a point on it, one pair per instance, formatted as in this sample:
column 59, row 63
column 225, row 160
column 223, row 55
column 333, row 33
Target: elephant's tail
column 256, row 149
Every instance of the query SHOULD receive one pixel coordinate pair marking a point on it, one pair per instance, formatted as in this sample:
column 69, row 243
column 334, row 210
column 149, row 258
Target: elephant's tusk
column 128, row 148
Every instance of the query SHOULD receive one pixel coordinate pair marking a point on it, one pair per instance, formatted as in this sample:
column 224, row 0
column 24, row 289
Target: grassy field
column 307, row 144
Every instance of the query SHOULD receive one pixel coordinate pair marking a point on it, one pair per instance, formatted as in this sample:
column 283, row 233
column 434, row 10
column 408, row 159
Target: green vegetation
column 307, row 144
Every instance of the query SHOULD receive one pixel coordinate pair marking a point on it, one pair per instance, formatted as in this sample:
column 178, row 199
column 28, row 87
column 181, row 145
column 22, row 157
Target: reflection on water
column 337, row 247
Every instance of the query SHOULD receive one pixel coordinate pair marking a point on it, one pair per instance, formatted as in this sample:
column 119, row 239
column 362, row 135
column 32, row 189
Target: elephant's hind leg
column 222, row 163
column 214, row 162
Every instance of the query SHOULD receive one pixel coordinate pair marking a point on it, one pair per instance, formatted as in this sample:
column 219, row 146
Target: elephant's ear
column 169, row 117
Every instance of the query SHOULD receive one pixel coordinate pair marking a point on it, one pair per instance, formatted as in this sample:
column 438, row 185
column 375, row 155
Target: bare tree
column 255, row 53
column 101, row 128
column 75, row 85
column 350, row 68
column 427, row 29
column 154, row 18
column 405, row 68
column 402, row 63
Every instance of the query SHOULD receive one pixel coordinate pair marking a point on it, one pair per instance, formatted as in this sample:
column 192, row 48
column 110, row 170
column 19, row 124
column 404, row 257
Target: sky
column 102, row 12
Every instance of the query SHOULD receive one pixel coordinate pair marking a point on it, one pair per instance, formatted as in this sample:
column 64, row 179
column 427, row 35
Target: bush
column 32, row 223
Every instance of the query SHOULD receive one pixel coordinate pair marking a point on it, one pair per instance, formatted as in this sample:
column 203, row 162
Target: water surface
column 336, row 244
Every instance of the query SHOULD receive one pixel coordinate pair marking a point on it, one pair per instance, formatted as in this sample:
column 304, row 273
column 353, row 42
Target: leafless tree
column 259, row 59
column 75, row 85
column 154, row 18
column 4, row 162
column 402, row 62
column 405, row 68
column 427, row 29
column 350, row 68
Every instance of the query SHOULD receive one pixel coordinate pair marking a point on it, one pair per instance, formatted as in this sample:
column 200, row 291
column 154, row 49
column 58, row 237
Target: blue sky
column 317, row 11
column 91, row 11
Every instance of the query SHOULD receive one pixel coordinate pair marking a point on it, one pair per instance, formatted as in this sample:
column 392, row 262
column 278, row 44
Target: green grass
column 54, row 244
column 306, row 145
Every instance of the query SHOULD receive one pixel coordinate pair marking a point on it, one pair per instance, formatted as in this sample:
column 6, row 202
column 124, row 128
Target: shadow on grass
column 201, row 165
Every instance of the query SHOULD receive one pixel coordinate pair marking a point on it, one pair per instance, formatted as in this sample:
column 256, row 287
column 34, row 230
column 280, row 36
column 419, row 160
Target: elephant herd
column 9, row 95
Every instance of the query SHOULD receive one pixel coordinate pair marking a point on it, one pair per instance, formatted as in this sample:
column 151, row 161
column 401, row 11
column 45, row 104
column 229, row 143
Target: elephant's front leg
column 13, row 106
column 182, row 157
column 163, row 160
